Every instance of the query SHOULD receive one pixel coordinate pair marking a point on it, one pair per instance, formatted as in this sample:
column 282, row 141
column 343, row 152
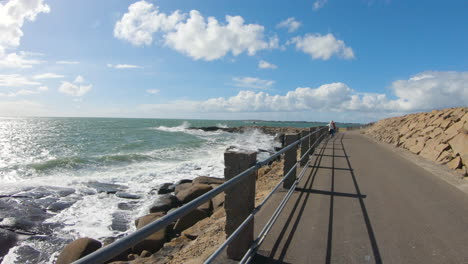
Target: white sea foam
column 182, row 128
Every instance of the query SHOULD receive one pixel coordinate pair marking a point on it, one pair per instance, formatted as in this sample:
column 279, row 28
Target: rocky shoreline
column 193, row 236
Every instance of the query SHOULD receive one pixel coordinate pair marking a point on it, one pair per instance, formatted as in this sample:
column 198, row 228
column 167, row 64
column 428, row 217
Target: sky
column 311, row 60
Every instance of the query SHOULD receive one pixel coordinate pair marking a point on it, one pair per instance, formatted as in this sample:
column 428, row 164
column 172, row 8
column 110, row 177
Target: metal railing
column 119, row 246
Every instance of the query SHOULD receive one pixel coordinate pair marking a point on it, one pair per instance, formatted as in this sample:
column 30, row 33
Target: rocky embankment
column 440, row 135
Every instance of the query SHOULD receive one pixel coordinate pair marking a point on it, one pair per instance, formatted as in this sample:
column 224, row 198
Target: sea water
column 50, row 167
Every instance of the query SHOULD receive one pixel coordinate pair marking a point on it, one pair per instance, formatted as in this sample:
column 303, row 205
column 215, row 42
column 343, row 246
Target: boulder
column 189, row 220
column 7, row 240
column 218, row 201
column 194, row 191
column 208, row 180
column 126, row 195
column 153, row 242
column 207, row 207
column 182, row 186
column 459, row 145
column 183, row 181
column 164, row 203
column 452, row 131
column 455, row 163
column 78, row 249
column 445, row 157
column 166, row 188
column 106, row 187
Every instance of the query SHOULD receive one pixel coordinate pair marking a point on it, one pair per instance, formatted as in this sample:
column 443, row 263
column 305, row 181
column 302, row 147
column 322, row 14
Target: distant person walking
column 332, row 128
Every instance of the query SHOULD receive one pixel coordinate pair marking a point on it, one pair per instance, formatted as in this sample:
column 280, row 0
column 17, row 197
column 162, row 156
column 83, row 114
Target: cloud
column 67, row 62
column 266, row 65
column 123, row 66
column 18, row 60
column 79, row 79
column 322, row 46
column 319, row 4
column 142, row 20
column 422, row 92
column 15, row 80
column 252, row 82
column 48, row 75
column 13, row 14
column 192, row 34
column 152, row 91
column 291, row 24
column 75, row 88
column 432, row 89
column 25, row 92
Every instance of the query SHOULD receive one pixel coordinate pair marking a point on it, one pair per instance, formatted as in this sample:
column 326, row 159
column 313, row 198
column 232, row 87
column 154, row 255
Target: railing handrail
column 105, row 253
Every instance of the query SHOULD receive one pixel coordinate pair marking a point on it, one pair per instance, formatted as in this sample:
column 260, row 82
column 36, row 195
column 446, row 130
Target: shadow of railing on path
column 307, row 190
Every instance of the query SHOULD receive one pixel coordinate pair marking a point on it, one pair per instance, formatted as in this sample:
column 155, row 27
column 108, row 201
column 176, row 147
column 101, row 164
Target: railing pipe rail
column 119, row 246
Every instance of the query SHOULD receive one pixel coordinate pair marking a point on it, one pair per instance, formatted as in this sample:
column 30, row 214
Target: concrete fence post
column 290, row 158
column 239, row 201
column 304, row 147
column 312, row 139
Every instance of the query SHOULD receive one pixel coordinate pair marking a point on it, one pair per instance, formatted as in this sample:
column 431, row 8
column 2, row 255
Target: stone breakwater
column 440, row 135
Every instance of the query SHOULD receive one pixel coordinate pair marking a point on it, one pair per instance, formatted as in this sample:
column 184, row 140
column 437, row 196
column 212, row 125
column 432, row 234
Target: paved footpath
column 362, row 203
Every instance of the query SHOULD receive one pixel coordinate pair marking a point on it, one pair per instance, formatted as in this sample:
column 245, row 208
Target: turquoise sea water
column 49, row 168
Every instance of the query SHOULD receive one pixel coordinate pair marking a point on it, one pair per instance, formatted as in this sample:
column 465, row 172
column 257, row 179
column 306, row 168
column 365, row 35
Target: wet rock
column 7, row 240
column 166, row 188
column 59, row 206
column 28, row 254
column 127, row 195
column 183, row 181
column 119, row 222
column 17, row 224
column 182, row 186
column 78, row 249
column 164, row 203
column 126, row 206
column 208, row 180
column 101, row 187
column 155, row 241
column 194, row 191
column 189, row 220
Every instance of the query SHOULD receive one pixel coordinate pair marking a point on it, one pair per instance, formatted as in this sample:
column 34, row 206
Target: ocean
column 53, row 170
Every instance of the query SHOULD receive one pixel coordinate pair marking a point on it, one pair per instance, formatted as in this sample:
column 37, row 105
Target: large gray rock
column 208, row 180
column 155, row 241
column 78, row 249
column 164, row 203
column 194, row 191
column 7, row 240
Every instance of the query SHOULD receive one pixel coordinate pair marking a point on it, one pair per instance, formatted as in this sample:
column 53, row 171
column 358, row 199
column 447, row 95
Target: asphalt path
column 362, row 203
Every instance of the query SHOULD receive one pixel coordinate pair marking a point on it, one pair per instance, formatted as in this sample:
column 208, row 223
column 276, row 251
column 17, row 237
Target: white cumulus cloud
column 192, row 34
column 252, row 82
column 291, row 24
column 422, row 92
column 266, row 65
column 322, row 46
column 76, row 88
column 13, row 14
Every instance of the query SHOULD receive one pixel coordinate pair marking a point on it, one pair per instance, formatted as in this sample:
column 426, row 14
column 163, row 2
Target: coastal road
column 362, row 203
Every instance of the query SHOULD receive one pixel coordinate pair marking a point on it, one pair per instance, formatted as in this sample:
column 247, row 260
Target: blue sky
column 353, row 61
